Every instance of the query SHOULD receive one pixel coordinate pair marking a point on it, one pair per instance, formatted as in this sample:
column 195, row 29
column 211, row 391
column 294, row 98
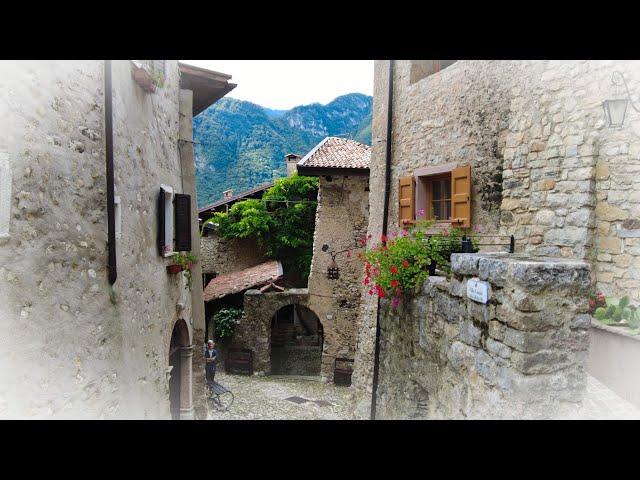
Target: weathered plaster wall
column 341, row 221
column 545, row 166
column 521, row 356
column 220, row 255
column 71, row 346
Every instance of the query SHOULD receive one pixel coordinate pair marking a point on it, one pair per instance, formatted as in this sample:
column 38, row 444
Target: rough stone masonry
column 521, row 355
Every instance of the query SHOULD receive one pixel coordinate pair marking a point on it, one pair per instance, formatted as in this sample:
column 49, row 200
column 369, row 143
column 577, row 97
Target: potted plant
column 183, row 263
column 148, row 79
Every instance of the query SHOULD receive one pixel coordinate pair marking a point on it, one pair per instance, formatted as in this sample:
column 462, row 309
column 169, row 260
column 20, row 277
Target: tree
column 283, row 221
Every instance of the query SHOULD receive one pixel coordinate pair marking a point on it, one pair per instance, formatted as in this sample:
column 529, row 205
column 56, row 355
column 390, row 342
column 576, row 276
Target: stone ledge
column 535, row 273
column 614, row 330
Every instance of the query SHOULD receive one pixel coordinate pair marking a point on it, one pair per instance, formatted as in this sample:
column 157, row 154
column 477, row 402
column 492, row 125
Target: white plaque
column 478, row 290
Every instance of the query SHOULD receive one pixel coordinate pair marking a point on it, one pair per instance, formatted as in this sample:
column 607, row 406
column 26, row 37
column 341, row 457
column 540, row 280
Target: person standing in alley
column 211, row 359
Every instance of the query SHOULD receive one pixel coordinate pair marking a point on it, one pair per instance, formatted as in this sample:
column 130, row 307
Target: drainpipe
column 108, row 134
column 387, row 189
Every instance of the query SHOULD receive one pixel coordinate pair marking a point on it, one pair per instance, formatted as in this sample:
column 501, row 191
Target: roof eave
column 322, row 171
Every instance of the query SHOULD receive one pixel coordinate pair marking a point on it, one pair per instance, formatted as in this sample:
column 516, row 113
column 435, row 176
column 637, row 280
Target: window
column 423, row 68
column 174, row 222
column 443, row 193
column 165, row 221
column 5, row 197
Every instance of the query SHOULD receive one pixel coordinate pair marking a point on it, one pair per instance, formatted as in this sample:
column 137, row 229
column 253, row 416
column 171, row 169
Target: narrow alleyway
column 282, row 398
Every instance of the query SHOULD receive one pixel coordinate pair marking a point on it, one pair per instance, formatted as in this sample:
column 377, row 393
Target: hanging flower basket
column 143, row 78
column 174, row 269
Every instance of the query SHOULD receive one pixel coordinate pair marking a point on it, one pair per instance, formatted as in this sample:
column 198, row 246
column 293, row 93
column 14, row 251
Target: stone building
column 518, row 148
column 304, row 330
column 92, row 324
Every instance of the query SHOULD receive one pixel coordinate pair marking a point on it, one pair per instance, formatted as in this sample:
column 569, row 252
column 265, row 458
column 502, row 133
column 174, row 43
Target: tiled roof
column 335, row 152
column 237, row 196
column 235, row 282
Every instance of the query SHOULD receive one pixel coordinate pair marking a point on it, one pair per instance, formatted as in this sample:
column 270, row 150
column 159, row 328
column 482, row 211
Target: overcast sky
column 284, row 84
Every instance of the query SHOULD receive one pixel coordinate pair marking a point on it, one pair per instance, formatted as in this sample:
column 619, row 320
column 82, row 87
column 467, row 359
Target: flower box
column 143, row 78
column 174, row 269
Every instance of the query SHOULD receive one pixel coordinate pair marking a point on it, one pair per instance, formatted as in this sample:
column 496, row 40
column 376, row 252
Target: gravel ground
column 264, row 398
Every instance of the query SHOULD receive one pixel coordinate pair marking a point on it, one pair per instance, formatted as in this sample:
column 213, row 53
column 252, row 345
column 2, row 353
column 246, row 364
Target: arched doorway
column 296, row 341
column 180, row 380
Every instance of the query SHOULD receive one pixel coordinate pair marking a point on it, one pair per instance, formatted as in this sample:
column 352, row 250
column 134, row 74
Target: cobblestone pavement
column 601, row 403
column 264, row 398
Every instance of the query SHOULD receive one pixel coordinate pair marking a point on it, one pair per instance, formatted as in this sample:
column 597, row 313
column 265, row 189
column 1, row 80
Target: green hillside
column 240, row 145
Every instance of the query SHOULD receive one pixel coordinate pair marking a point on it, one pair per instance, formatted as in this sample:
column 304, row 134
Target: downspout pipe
column 385, row 223
column 108, row 135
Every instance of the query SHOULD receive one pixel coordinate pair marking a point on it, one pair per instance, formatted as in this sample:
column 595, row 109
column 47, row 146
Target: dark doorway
column 296, row 342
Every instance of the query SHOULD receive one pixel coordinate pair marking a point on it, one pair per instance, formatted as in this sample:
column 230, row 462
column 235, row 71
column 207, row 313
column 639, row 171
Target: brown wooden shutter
column 161, row 221
column 406, row 196
column 183, row 222
column 461, row 195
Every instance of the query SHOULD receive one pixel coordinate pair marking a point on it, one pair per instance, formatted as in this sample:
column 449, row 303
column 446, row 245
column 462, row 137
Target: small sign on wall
column 478, row 291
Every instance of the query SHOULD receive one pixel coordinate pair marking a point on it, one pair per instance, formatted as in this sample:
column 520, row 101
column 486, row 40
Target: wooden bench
column 239, row 360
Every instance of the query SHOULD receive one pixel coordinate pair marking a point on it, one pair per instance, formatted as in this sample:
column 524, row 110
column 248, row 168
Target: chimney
column 227, row 194
column 292, row 159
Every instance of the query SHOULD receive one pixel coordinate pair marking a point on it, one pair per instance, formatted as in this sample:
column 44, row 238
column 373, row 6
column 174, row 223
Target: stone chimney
column 292, row 159
column 227, row 194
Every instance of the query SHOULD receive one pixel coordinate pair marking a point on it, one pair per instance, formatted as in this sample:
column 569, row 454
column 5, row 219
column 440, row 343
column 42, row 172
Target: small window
column 5, row 197
column 165, row 221
column 423, row 68
column 441, row 193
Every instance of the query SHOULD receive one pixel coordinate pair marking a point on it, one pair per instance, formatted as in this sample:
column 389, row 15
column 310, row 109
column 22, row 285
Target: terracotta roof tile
column 235, row 282
column 335, row 152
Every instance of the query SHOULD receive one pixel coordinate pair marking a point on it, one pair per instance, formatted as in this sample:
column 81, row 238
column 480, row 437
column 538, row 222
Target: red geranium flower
column 370, row 291
column 394, row 269
column 383, row 238
column 405, row 263
column 394, row 283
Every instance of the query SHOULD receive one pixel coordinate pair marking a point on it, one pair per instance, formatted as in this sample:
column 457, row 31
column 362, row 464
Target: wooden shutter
column 406, row 197
column 161, row 221
column 183, row 222
column 461, row 195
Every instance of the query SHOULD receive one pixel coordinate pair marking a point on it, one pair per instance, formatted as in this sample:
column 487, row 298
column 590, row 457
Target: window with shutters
column 166, row 219
column 441, row 193
column 174, row 222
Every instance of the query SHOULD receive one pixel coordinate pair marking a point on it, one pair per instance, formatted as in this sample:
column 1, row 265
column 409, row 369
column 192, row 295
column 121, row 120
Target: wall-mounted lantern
column 615, row 109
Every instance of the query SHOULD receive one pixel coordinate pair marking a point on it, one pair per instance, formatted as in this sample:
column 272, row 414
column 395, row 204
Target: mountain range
column 240, row 145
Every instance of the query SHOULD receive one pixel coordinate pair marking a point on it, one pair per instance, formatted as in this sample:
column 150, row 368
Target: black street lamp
column 616, row 109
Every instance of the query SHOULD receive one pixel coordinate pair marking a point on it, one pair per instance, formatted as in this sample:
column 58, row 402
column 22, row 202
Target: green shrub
column 619, row 312
column 225, row 321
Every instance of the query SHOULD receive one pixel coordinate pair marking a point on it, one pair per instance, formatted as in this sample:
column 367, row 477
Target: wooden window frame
column 423, row 194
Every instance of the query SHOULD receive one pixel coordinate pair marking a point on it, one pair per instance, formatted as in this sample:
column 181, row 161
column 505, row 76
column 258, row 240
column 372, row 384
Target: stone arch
column 254, row 331
column 296, row 341
column 180, row 378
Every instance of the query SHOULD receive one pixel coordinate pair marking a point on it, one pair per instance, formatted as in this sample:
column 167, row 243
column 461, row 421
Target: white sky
column 284, row 84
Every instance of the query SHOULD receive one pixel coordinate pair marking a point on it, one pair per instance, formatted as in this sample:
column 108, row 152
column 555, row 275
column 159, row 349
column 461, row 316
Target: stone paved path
column 264, row 398
column 601, row 403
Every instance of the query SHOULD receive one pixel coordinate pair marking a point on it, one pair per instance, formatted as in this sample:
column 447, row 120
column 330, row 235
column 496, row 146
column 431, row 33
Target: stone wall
column 522, row 355
column 220, row 255
column 341, row 221
column 72, row 346
column 254, row 329
column 545, row 166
